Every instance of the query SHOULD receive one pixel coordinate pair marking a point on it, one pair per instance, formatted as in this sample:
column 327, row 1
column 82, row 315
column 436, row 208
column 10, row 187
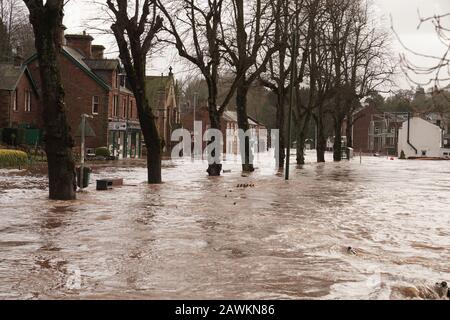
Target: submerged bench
column 106, row 184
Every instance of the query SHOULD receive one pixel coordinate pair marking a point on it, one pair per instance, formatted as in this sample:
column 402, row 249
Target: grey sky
column 404, row 17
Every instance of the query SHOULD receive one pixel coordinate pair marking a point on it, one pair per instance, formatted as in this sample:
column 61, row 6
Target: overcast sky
column 404, row 15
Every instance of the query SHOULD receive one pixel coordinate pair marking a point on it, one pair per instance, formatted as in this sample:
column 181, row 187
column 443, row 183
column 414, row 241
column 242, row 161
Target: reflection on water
column 201, row 237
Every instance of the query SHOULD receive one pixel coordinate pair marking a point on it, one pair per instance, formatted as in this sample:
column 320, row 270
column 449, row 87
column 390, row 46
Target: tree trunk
column 301, row 137
column 151, row 137
column 321, row 140
column 214, row 169
column 241, row 104
column 46, row 22
column 349, row 135
column 337, row 146
column 280, row 126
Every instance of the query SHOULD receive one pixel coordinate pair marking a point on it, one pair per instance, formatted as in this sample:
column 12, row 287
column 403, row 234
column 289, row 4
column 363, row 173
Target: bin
column 86, row 176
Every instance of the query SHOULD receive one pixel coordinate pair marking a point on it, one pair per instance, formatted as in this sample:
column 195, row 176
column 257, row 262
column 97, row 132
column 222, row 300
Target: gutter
column 409, row 127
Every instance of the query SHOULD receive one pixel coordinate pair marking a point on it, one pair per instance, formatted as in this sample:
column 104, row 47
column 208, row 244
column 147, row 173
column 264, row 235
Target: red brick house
column 96, row 86
column 19, row 100
column 162, row 95
column 229, row 128
column 361, row 125
column 375, row 131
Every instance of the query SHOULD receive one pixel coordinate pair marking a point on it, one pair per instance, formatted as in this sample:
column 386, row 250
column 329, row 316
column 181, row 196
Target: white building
column 419, row 138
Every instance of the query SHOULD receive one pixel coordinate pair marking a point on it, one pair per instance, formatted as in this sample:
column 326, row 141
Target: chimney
column 80, row 42
column 17, row 57
column 61, row 40
column 97, row 51
column 18, row 60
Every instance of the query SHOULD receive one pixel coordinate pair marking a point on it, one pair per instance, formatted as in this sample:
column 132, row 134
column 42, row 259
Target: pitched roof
column 154, row 85
column 78, row 59
column 232, row 117
column 9, row 76
column 102, row 64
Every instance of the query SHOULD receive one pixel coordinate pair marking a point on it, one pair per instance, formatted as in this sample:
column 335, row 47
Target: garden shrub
column 13, row 159
column 102, row 152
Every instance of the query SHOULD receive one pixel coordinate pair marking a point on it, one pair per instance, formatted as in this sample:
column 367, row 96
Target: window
column 116, row 106
column 95, row 104
column 27, row 100
column 116, row 80
column 14, row 101
column 130, row 109
column 124, row 107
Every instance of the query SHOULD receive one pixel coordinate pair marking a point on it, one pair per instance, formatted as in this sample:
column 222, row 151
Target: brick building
column 162, row 95
column 96, row 86
column 19, row 99
column 362, row 122
column 375, row 131
column 229, row 128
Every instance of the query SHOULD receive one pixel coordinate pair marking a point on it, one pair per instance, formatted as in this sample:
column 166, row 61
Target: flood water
column 196, row 237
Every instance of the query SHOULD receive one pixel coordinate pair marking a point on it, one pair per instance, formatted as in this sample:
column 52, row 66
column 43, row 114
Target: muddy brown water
column 196, row 237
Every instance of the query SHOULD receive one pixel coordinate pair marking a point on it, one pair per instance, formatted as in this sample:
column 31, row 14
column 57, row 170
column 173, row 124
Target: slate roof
column 9, row 76
column 154, row 85
column 231, row 116
column 102, row 64
column 85, row 64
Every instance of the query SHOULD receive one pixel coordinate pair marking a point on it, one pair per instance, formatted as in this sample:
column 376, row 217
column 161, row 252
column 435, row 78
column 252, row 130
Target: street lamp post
column 83, row 142
column 195, row 118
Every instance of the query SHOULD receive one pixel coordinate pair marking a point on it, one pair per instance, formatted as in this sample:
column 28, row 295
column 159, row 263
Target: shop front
column 124, row 139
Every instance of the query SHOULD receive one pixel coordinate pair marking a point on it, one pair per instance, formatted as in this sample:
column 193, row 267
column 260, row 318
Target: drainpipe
column 409, row 126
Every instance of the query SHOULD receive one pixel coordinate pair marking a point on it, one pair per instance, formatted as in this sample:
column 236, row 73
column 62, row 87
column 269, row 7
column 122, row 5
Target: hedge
column 13, row 159
column 102, row 152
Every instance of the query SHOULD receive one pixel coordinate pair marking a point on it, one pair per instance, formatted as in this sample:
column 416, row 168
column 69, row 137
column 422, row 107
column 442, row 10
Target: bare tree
column 248, row 44
column 368, row 66
column 15, row 30
column 135, row 37
column 276, row 78
column 439, row 72
column 437, row 69
column 360, row 61
column 46, row 20
column 194, row 27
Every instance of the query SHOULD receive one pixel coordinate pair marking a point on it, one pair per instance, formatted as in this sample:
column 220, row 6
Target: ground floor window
column 125, row 144
column 27, row 100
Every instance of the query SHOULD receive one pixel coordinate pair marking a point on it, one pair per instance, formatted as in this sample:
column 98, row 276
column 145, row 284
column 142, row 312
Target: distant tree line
column 16, row 33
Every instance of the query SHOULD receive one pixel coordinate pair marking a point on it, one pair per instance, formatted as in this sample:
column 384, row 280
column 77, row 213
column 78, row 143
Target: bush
column 402, row 155
column 13, row 159
column 102, row 152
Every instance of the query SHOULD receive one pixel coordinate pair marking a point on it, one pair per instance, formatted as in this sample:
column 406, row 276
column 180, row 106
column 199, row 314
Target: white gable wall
column 425, row 136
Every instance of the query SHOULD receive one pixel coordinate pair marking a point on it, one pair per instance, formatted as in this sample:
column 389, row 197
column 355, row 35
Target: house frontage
column 419, row 138
column 229, row 128
column 19, row 99
column 98, row 87
column 162, row 96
